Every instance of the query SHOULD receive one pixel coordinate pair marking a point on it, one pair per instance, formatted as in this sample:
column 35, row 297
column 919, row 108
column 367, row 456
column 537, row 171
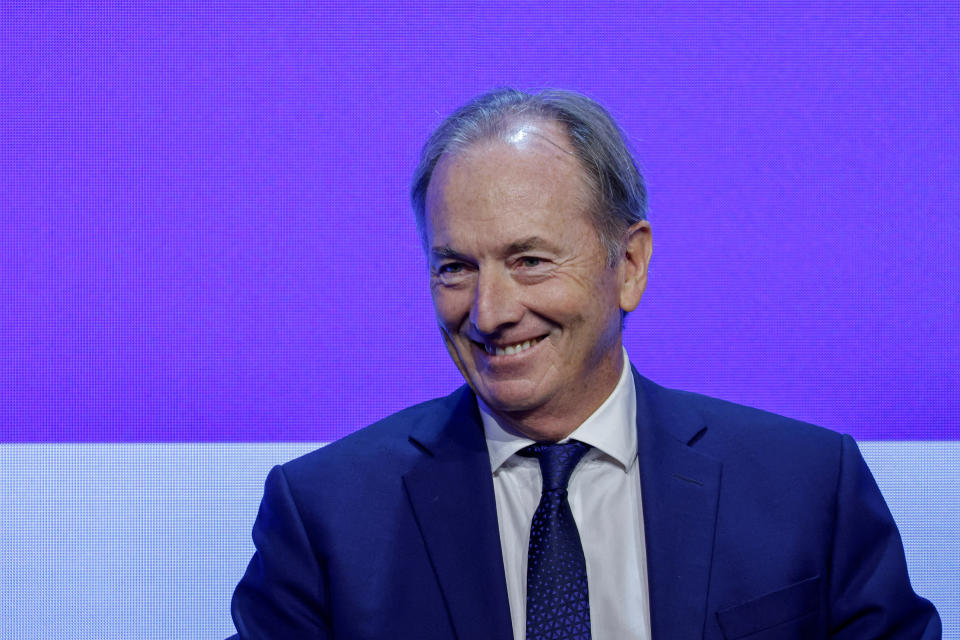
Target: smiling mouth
column 511, row 349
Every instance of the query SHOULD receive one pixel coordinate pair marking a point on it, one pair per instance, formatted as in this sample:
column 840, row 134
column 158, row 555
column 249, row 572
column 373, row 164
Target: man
column 560, row 494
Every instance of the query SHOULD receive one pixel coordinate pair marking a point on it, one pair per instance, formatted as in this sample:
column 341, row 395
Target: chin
column 508, row 400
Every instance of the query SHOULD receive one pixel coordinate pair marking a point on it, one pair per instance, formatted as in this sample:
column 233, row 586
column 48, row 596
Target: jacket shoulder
column 385, row 444
column 725, row 428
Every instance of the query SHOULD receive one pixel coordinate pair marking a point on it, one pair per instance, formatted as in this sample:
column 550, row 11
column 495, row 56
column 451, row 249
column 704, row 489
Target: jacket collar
column 451, row 493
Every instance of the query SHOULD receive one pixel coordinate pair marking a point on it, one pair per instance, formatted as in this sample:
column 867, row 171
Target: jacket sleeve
column 870, row 590
column 283, row 593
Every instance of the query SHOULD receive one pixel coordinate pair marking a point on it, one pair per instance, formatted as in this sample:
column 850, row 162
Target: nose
column 496, row 302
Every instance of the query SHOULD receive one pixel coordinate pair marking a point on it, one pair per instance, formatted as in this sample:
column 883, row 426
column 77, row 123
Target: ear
column 634, row 263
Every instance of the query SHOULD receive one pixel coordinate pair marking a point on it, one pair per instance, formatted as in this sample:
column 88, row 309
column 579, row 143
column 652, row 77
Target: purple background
column 206, row 234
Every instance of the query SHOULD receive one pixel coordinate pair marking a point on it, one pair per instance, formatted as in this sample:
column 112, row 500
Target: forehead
column 527, row 177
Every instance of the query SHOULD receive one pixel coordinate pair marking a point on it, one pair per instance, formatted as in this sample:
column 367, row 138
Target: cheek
column 565, row 299
column 451, row 306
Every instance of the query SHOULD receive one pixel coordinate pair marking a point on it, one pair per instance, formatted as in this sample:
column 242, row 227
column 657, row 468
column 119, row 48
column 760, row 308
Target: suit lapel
column 451, row 493
column 680, row 489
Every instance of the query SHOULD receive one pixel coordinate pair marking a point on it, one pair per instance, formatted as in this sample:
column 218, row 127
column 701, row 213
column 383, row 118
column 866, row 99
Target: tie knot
column 557, row 461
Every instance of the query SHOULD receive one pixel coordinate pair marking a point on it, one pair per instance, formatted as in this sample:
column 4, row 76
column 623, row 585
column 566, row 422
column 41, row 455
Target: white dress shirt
column 604, row 495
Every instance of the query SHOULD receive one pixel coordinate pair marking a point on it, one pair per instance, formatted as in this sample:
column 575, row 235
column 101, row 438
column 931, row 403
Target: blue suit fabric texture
column 757, row 527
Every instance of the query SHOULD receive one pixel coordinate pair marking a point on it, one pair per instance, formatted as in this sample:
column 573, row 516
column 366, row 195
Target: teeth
column 511, row 349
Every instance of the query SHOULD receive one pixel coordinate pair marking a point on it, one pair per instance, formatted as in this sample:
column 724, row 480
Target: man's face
column 527, row 303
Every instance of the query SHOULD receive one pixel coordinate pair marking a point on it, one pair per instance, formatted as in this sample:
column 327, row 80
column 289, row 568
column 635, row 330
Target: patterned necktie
column 558, row 606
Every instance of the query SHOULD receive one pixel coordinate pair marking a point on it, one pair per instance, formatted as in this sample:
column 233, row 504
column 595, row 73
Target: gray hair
column 621, row 197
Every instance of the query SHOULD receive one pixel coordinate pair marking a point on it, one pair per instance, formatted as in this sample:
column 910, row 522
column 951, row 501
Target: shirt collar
column 612, row 428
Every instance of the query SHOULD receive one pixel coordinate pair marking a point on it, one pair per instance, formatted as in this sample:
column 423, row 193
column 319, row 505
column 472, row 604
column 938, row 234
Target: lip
column 482, row 349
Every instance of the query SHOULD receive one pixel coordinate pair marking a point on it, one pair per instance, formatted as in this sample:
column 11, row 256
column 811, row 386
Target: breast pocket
column 787, row 613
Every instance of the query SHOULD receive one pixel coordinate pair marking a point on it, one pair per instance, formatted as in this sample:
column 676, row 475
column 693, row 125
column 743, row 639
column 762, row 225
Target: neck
column 552, row 424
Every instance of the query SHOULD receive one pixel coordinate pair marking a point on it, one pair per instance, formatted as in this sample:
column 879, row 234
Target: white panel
column 148, row 540
column 127, row 541
column 921, row 482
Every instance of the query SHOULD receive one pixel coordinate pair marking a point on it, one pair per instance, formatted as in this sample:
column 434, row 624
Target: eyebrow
column 518, row 246
column 529, row 244
column 446, row 252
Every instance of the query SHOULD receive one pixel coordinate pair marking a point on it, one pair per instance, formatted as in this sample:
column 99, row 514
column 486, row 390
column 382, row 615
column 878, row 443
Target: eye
column 452, row 273
column 530, row 261
column 450, row 268
column 532, row 269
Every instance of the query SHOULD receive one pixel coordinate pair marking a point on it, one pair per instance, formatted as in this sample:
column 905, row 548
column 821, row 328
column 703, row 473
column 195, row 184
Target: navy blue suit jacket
column 757, row 527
